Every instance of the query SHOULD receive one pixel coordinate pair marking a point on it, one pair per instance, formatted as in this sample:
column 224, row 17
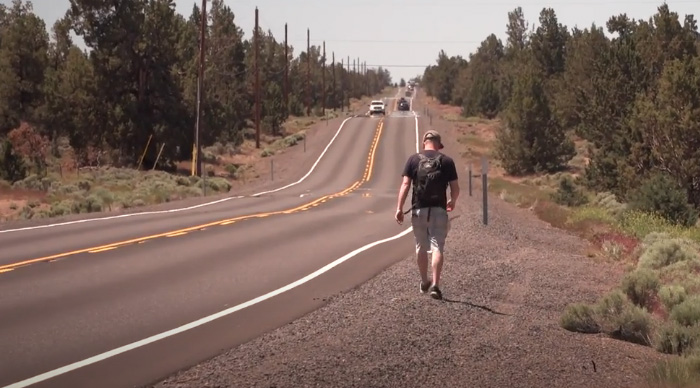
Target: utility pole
column 323, row 79
column 353, row 76
column 342, row 90
column 335, row 100
column 257, row 81
column 308, row 72
column 286, row 71
column 366, row 80
column 200, row 91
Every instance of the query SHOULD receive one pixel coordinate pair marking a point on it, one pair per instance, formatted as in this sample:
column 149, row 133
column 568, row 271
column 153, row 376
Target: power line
column 463, row 4
column 398, row 65
column 392, row 41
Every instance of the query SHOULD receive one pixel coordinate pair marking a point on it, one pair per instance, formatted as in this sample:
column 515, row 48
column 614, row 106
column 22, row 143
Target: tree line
column 138, row 78
column 634, row 96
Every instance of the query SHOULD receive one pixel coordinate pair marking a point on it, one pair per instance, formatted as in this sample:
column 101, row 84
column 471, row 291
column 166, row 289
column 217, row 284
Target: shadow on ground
column 473, row 305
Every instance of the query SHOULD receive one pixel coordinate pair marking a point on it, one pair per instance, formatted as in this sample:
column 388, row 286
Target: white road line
column 210, row 318
column 189, row 207
column 312, row 167
column 417, row 134
column 202, row 321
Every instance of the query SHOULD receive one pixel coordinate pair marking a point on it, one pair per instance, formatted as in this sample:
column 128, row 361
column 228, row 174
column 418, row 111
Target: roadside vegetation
column 599, row 136
column 112, row 127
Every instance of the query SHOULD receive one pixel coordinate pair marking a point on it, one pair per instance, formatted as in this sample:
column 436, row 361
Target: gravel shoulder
column 505, row 286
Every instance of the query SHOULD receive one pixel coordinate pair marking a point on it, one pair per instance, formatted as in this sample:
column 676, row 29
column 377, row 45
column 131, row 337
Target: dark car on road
column 404, row 105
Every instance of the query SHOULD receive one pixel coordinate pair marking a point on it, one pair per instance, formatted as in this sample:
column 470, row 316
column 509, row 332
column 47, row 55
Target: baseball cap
column 434, row 136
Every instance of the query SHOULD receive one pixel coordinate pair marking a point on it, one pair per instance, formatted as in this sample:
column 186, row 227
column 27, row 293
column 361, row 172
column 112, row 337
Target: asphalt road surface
column 111, row 302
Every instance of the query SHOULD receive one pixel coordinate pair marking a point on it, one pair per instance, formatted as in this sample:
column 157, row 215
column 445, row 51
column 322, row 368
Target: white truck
column 377, row 107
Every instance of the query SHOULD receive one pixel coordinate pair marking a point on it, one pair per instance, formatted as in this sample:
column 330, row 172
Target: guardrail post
column 470, row 179
column 272, row 169
column 484, row 184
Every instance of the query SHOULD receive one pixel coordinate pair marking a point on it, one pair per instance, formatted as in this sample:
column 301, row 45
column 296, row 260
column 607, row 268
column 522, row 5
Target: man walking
column 430, row 172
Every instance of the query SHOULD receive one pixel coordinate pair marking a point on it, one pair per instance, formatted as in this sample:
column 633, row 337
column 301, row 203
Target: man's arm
column 454, row 190
column 454, row 184
column 403, row 192
column 406, row 182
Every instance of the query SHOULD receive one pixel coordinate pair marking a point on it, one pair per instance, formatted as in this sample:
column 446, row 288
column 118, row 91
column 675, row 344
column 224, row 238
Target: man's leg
column 422, row 258
column 420, row 232
column 437, row 267
column 438, row 234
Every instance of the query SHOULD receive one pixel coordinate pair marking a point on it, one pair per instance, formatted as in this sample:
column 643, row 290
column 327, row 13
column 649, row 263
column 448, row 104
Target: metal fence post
column 484, row 184
column 470, row 179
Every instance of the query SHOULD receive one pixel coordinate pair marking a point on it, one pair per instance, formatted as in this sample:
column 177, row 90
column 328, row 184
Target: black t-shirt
column 447, row 169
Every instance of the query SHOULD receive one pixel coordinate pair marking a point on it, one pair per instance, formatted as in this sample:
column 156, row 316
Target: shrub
column 579, row 317
column 568, row 194
column 61, row 208
column 591, row 213
column 662, row 195
column 654, row 237
column 614, row 249
column 182, row 181
column 609, row 202
column 105, row 196
column 640, row 224
column 290, row 141
column 674, row 338
column 217, row 184
column 676, row 372
column 621, row 319
column 84, row 185
column 58, row 188
column 672, row 294
column 27, row 213
column 687, row 313
column 641, row 286
column 91, row 204
column 231, row 169
column 666, row 252
column 31, row 182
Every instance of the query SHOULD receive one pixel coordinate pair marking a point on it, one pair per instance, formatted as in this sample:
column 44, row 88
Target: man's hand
column 399, row 216
column 450, row 205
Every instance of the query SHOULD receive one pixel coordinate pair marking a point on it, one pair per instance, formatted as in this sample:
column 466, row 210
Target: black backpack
column 429, row 187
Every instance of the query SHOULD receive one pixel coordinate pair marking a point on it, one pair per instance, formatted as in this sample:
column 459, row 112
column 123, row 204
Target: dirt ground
column 505, row 285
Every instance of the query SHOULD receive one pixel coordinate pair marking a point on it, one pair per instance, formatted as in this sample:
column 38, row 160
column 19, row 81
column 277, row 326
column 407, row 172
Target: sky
column 403, row 36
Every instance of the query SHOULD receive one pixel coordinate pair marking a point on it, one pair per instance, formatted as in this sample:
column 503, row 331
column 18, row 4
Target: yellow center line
column 365, row 178
column 102, row 249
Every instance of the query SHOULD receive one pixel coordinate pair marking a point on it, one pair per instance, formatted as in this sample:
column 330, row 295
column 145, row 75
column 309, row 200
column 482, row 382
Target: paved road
column 68, row 304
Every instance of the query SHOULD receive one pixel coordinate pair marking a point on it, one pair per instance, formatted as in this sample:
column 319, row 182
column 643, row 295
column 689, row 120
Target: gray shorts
column 430, row 234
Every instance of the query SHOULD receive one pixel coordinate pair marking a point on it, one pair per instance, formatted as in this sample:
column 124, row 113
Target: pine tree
column 531, row 139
